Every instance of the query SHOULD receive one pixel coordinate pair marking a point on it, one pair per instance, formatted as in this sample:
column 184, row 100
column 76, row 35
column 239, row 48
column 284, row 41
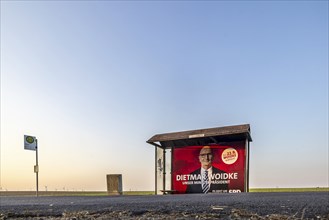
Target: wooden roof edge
column 199, row 133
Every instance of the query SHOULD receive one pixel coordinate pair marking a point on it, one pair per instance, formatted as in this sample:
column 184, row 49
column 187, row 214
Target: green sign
column 30, row 142
column 29, row 139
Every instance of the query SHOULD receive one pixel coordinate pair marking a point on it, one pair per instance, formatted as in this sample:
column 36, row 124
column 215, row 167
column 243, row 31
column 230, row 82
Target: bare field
column 70, row 193
column 104, row 193
column 51, row 193
column 310, row 189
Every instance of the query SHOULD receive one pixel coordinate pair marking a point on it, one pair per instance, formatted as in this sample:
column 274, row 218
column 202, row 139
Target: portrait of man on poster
column 207, row 171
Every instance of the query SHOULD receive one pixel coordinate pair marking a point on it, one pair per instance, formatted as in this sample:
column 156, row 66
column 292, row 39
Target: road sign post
column 37, row 166
column 31, row 143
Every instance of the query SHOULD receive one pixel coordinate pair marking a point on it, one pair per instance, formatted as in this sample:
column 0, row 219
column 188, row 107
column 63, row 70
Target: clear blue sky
column 93, row 80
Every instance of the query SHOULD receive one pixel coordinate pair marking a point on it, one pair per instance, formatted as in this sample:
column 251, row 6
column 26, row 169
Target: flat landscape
column 104, row 193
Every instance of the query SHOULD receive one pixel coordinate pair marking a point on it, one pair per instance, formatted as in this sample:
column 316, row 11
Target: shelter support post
column 164, row 171
column 156, row 171
column 246, row 171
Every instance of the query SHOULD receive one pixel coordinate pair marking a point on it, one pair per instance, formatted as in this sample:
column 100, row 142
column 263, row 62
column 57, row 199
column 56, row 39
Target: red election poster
column 209, row 169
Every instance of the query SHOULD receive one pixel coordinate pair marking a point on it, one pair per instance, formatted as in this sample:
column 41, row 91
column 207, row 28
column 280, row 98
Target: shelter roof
column 202, row 136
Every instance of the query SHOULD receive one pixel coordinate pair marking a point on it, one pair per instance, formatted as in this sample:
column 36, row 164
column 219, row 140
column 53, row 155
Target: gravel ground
column 210, row 206
column 232, row 214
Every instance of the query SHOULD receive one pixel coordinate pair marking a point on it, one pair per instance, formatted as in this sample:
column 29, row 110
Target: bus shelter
column 211, row 160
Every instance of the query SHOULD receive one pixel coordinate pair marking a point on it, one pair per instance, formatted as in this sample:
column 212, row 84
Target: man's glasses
column 205, row 155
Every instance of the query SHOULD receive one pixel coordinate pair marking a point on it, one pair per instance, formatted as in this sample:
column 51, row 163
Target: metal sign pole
column 37, row 167
column 31, row 143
